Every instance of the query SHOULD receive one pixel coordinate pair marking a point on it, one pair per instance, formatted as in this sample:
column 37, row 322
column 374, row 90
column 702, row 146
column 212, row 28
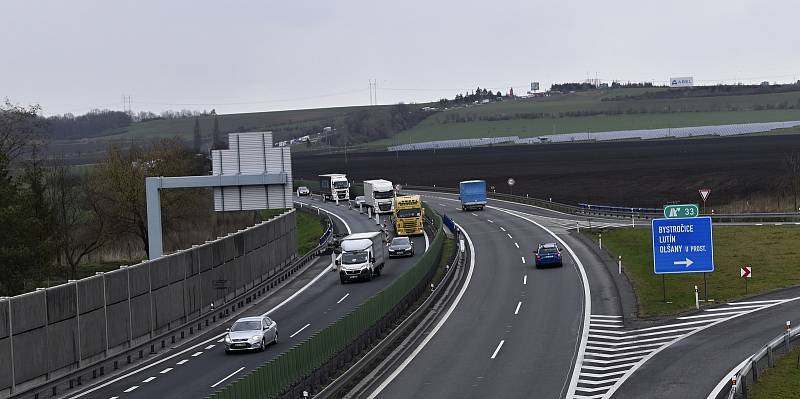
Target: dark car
column 548, row 255
column 303, row 191
column 401, row 246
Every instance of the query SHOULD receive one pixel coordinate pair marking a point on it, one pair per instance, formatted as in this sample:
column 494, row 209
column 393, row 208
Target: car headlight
column 255, row 338
column 227, row 339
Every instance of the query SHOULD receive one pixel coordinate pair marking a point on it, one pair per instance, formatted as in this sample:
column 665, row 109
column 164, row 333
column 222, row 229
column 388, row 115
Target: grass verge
column 781, row 381
column 772, row 251
column 309, row 229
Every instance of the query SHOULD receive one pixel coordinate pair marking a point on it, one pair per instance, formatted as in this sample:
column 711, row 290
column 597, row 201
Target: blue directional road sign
column 682, row 245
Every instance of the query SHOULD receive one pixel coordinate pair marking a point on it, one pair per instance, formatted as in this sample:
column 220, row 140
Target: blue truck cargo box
column 472, row 194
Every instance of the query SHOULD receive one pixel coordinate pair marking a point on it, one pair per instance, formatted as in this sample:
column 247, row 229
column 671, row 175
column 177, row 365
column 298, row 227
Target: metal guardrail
column 755, row 364
column 188, row 330
column 333, row 390
column 627, row 213
column 308, row 365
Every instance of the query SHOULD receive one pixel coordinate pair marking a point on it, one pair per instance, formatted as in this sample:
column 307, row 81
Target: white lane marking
column 210, row 346
column 427, row 243
column 524, row 280
column 474, row 214
column 587, row 304
column 489, row 220
column 221, row 340
column 196, row 354
column 182, row 362
column 501, row 228
column 166, row 370
column 517, row 245
column 603, row 316
column 757, row 302
column 706, row 315
column 343, row 298
column 509, row 236
column 667, row 345
column 727, row 308
column 516, row 311
column 500, row 345
column 131, row 389
column 346, row 226
column 114, row 397
column 439, row 325
column 148, row 380
column 228, row 376
column 298, row 331
column 442, row 204
column 523, row 260
column 323, row 272
column 726, row 381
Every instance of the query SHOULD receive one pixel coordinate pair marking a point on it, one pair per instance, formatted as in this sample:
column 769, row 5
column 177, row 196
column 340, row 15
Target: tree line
column 373, row 123
column 54, row 217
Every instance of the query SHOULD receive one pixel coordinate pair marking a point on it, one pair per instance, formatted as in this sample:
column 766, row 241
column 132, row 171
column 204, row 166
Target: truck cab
column 379, row 195
column 334, row 186
column 408, row 215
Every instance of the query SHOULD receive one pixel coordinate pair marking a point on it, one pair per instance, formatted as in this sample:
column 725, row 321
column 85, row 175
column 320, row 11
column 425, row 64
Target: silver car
column 251, row 333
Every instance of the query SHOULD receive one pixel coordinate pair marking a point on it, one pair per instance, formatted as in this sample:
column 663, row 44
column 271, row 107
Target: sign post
column 746, row 272
column 682, row 245
column 511, row 184
column 704, row 192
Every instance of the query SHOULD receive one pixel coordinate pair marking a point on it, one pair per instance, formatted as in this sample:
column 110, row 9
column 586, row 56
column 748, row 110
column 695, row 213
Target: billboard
column 687, row 81
column 534, row 86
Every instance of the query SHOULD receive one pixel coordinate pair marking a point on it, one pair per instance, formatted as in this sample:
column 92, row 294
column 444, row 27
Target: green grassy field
column 779, row 382
column 514, row 117
column 771, row 250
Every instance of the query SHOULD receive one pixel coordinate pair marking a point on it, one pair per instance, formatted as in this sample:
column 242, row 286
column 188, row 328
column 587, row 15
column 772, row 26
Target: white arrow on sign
column 745, row 272
column 688, row 262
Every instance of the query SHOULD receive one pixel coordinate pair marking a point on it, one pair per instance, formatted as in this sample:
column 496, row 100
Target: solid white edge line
column 216, row 337
column 525, row 279
column 726, row 381
column 300, row 330
column 229, row 376
column 500, row 345
column 516, row 311
column 427, row 243
column 439, row 325
column 587, row 302
column 343, row 298
column 638, row 365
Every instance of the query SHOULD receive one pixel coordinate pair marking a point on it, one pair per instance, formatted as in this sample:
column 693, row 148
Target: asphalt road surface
column 200, row 367
column 517, row 330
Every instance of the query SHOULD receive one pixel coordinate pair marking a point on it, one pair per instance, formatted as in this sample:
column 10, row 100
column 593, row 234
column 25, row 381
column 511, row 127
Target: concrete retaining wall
column 49, row 333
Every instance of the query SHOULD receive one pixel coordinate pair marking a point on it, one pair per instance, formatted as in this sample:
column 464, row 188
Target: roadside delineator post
column 696, row 298
column 620, row 264
column 600, row 240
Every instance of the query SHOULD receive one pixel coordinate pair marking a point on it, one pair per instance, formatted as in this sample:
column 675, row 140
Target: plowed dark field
column 641, row 173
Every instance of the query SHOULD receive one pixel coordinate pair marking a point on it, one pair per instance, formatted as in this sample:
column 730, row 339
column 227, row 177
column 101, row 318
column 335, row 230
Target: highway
column 517, row 331
column 314, row 300
column 700, row 359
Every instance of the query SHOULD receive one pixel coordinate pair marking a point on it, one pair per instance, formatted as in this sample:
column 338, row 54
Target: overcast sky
column 243, row 56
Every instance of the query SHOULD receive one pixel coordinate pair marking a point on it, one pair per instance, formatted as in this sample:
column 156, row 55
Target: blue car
column 548, row 255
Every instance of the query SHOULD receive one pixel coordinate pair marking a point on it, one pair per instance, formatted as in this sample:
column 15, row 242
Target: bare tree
column 79, row 229
column 17, row 128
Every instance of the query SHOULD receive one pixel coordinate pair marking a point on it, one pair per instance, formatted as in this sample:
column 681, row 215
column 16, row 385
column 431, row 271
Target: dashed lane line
column 146, row 380
column 226, row 377
column 300, row 330
column 516, row 311
column 500, row 345
column 196, row 354
column 182, row 362
column 166, row 370
column 343, row 298
column 131, row 389
column 516, row 245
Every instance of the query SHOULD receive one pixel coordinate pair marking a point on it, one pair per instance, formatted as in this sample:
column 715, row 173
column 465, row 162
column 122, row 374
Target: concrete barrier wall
column 48, row 333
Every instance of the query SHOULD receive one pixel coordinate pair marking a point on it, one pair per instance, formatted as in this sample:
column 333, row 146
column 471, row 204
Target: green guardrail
column 271, row 379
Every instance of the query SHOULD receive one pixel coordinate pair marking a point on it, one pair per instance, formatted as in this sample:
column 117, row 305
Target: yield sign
column 745, row 271
column 704, row 192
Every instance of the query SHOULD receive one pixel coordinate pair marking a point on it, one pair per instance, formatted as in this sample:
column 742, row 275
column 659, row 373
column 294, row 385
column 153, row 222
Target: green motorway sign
column 681, row 211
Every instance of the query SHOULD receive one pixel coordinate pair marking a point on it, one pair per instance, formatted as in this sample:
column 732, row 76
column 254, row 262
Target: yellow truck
column 408, row 215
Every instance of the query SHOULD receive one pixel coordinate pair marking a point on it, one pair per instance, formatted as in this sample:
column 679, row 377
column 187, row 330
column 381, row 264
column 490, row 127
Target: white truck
column 363, row 256
column 379, row 195
column 334, row 185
